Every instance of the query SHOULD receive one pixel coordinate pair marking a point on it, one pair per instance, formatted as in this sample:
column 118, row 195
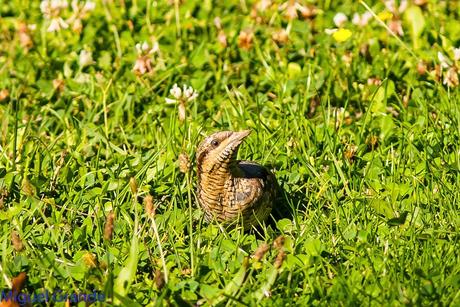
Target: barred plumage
column 229, row 189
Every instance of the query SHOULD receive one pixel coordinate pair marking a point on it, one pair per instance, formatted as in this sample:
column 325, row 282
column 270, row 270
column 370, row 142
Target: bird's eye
column 215, row 143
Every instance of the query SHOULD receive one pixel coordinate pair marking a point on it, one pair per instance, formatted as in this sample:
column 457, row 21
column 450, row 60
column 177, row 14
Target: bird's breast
column 245, row 191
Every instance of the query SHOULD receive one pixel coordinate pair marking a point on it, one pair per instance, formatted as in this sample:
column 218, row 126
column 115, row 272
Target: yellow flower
column 385, row 15
column 341, row 35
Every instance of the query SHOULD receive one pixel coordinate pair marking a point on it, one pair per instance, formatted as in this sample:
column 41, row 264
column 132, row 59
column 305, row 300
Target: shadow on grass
column 287, row 205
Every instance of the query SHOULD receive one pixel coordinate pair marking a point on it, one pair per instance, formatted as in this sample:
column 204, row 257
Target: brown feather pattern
column 229, row 189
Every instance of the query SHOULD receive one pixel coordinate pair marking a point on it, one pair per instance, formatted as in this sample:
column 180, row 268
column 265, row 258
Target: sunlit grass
column 362, row 133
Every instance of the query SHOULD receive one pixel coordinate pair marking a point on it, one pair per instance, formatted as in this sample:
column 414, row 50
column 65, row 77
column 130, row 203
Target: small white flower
column 51, row 10
column 56, row 24
column 391, row 6
column 58, row 4
column 356, row 19
column 457, row 54
column 44, row 7
column 218, row 23
column 402, row 6
column 138, row 48
column 451, row 78
column 189, row 93
column 186, row 94
column 80, row 11
column 340, row 19
column 145, row 47
column 77, row 25
column 82, row 8
column 367, row 16
column 89, row 6
column 445, row 63
column 144, row 57
column 176, row 91
column 82, row 78
column 330, row 31
column 362, row 20
column 170, row 101
column 289, row 8
column 143, row 65
column 85, row 58
column 263, row 5
column 194, row 96
column 155, row 48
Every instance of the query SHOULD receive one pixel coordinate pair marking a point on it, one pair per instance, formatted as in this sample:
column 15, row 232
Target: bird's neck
column 214, row 186
column 223, row 172
column 215, row 178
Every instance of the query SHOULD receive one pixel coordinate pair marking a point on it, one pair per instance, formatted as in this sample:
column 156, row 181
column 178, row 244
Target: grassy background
column 364, row 142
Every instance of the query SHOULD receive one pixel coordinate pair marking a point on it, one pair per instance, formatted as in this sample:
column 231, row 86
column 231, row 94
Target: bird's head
column 218, row 150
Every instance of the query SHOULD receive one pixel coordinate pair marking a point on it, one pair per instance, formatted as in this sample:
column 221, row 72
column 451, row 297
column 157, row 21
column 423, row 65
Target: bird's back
column 251, row 192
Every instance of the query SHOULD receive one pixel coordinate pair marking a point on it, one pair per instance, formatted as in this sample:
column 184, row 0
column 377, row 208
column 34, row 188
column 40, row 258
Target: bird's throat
column 213, row 187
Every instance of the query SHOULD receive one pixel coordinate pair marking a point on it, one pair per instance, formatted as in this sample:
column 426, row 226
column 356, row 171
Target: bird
column 231, row 190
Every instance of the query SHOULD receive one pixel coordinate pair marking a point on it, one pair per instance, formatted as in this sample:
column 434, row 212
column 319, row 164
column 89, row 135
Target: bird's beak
column 229, row 148
column 237, row 137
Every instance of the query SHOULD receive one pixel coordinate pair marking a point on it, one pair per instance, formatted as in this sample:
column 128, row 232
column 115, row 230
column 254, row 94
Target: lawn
column 354, row 105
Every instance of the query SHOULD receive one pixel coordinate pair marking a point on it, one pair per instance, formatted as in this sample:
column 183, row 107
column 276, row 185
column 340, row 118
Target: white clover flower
column 182, row 96
column 138, row 48
column 51, row 10
column 186, row 94
column 170, row 101
column 155, row 47
column 451, row 78
column 142, row 65
column 456, row 54
column 144, row 57
column 356, row 20
column 80, row 11
column 362, row 20
column 218, row 23
column 56, row 24
column 391, row 6
column 85, row 58
column 290, row 9
column 263, row 5
column 89, row 6
column 82, row 8
column 176, row 91
column 145, row 47
column 45, row 8
column 445, row 63
column 189, row 93
column 330, row 31
column 77, row 25
column 340, row 19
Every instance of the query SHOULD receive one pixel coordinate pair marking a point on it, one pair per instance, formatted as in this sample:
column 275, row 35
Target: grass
column 362, row 134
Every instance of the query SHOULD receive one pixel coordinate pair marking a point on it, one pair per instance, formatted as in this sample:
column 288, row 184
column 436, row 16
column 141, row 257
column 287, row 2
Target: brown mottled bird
column 228, row 188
